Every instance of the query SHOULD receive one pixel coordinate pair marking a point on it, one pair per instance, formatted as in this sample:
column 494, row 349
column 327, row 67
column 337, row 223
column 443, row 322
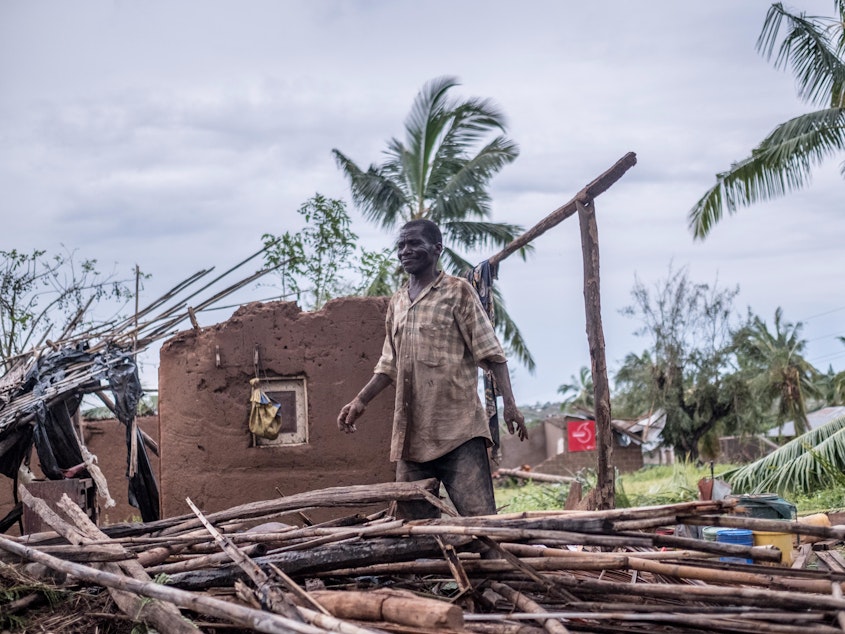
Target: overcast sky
column 173, row 134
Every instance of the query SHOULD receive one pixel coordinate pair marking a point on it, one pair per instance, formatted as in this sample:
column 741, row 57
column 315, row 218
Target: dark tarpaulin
column 19, row 445
column 55, row 438
column 481, row 278
column 53, row 433
column 126, row 388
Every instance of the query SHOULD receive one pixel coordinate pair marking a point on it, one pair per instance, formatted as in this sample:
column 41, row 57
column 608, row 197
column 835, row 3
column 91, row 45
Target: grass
column 654, row 485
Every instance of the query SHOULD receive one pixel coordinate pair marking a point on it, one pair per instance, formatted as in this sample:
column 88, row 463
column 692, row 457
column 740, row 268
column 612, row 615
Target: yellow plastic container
column 783, row 541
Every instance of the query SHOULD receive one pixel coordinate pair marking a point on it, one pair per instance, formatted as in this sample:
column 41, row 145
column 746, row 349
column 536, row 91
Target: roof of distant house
column 815, row 419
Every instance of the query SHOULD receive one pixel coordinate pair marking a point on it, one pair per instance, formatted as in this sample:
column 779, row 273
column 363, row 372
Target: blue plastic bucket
column 741, row 536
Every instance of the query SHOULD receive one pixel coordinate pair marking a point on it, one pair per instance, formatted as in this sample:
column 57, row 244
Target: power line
column 827, row 312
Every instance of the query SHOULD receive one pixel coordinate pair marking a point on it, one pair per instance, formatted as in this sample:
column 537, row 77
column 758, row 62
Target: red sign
column 581, row 435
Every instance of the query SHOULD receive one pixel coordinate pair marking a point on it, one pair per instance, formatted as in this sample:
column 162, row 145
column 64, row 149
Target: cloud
column 175, row 134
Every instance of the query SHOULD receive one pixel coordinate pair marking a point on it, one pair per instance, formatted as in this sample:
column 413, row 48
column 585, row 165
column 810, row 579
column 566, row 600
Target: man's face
column 416, row 253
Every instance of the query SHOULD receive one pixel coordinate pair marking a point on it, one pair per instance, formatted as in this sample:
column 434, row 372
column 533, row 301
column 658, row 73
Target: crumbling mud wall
column 207, row 451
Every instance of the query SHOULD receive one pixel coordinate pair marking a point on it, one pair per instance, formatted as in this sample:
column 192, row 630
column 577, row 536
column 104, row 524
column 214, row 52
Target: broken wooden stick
column 163, row 616
column 268, row 593
column 535, row 475
column 404, row 608
column 525, row 604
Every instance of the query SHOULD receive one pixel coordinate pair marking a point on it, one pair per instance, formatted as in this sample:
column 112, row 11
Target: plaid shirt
column 432, row 350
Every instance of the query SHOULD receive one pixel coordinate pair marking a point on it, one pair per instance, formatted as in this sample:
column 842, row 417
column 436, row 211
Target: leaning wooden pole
column 597, row 186
column 605, row 496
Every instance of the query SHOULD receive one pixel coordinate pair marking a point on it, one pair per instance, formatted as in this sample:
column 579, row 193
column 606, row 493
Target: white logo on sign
column 582, row 433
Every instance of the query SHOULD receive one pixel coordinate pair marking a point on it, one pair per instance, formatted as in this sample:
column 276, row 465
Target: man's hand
column 349, row 414
column 513, row 415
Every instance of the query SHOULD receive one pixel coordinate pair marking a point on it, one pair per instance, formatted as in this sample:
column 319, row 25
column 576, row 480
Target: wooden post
column 584, row 204
column 605, row 487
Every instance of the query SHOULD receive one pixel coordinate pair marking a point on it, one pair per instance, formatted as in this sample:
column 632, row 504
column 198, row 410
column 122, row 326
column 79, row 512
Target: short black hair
column 428, row 228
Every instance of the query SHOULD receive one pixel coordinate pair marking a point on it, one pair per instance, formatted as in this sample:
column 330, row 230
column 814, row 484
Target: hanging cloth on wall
column 264, row 417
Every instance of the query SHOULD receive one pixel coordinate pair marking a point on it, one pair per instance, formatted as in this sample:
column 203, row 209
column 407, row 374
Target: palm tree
column 580, row 393
column 441, row 172
column 831, row 388
column 815, row 49
column 777, row 371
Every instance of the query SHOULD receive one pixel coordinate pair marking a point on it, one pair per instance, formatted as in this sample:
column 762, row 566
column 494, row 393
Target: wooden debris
column 554, row 571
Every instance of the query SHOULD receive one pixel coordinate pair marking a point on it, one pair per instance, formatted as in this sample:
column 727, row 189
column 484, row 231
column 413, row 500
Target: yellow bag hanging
column 264, row 417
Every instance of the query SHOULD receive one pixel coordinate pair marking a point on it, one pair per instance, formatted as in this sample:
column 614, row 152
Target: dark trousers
column 464, row 472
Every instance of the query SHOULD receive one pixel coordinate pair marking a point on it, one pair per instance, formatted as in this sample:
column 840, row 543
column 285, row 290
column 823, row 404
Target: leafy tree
column 441, row 171
column 815, row 49
column 777, row 372
column 579, row 393
column 378, row 273
column 314, row 263
column 634, row 393
column 44, row 297
column 688, row 369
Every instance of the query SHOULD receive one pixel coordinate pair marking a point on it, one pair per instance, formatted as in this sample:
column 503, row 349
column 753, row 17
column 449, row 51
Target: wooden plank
column 832, row 560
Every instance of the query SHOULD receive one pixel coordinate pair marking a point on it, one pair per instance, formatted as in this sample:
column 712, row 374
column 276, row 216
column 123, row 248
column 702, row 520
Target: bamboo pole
column 355, row 495
column 731, row 595
column 525, row 604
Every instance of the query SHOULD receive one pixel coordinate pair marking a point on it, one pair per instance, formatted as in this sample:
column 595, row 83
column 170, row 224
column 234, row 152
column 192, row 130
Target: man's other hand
column 514, row 416
column 349, row 414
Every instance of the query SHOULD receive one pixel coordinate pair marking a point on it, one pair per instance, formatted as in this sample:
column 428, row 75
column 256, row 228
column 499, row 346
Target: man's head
column 419, row 246
column 428, row 229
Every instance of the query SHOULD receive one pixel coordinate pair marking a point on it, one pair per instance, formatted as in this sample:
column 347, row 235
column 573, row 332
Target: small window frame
column 297, row 385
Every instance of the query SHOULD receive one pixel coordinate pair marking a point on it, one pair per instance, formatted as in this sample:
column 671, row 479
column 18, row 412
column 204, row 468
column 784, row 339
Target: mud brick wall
column 207, row 452
column 626, row 459
column 516, row 453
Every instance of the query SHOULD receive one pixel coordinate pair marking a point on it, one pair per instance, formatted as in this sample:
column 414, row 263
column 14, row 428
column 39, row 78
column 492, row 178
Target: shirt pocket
column 433, row 340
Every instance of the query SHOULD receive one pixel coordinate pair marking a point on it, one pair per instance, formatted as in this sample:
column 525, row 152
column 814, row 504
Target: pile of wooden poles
column 602, row 571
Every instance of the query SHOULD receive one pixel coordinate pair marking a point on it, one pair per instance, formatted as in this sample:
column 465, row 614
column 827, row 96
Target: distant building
column 814, row 419
column 564, row 444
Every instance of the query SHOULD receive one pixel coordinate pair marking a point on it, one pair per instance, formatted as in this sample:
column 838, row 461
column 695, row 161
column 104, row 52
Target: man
column 437, row 336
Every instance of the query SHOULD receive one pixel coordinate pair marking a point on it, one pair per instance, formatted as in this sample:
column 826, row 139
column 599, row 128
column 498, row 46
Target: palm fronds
column 815, row 56
column 814, row 48
column 807, row 462
column 781, row 163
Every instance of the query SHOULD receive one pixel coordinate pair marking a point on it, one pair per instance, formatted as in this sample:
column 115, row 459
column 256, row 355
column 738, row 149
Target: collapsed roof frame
column 41, row 391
